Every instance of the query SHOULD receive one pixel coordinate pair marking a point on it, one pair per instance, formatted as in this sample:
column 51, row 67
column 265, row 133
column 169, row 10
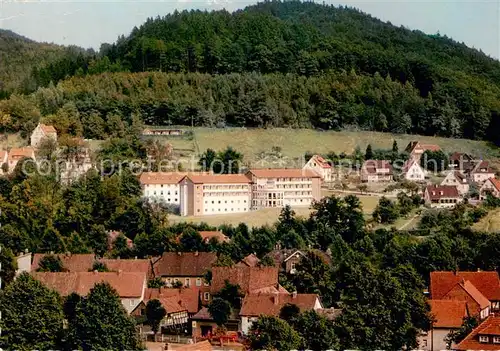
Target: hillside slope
column 19, row 56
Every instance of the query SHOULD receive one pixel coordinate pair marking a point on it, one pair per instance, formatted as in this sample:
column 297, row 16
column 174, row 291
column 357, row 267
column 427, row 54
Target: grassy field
column 268, row 216
column 490, row 223
column 295, row 142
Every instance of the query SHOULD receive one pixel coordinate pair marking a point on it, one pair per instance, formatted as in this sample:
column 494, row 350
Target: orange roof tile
column 495, row 182
column 126, row 284
column 47, row 129
column 489, row 327
column 283, row 173
column 19, row 153
column 488, row 283
column 271, row 304
column 209, row 234
column 248, row 278
column 434, row 191
column 188, row 298
column 482, row 167
column 71, row 262
column 448, row 313
column 482, row 301
column 128, row 265
column 148, row 178
column 321, row 161
column 184, row 264
column 199, row 346
column 218, row 178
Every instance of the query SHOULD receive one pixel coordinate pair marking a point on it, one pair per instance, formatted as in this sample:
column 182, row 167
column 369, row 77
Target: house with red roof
column 249, row 261
column 416, row 149
column 462, row 162
column 17, row 154
column 250, row 279
column 256, row 304
column 491, row 187
column 41, row 132
column 487, row 283
column 448, row 316
column 319, row 165
column 481, row 172
column 129, row 286
column 442, row 196
column 188, row 268
column 376, row 171
column 458, row 179
column 485, row 336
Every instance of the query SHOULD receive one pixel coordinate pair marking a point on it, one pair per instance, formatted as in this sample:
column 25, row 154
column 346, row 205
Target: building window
column 188, row 282
column 198, row 210
column 205, row 283
column 483, row 338
column 198, row 281
column 496, row 339
column 132, row 302
column 206, row 296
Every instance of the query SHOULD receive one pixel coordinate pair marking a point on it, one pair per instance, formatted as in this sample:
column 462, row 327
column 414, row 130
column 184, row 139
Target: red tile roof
column 249, row 261
column 448, row 313
column 218, row 178
column 283, row 173
column 472, row 291
column 187, row 298
column 490, row 327
column 488, row 283
column 47, row 129
column 271, row 304
column 482, row 167
column 495, row 182
column 321, row 161
column 437, row 192
column 20, row 153
column 460, row 156
column 199, row 346
column 248, row 278
column 184, row 264
column 209, row 234
column 71, row 262
column 125, row 283
column 128, row 265
column 374, row 166
column 149, row 178
column 416, row 145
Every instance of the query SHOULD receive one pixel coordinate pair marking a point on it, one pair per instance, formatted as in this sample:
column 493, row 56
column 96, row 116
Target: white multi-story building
column 281, row 187
column 319, row 165
column 210, row 194
column 162, row 186
column 412, row 171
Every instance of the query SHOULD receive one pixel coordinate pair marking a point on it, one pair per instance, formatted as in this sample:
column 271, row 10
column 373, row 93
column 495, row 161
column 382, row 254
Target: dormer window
column 483, row 338
column 433, row 193
column 496, row 339
column 441, row 193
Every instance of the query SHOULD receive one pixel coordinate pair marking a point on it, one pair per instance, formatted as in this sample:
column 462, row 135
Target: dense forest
column 277, row 64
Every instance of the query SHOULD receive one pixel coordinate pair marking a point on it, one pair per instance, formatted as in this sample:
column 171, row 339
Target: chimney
column 196, row 253
column 178, row 253
column 276, row 298
column 96, row 271
column 119, row 272
column 294, row 295
column 479, row 269
column 135, row 258
column 51, row 252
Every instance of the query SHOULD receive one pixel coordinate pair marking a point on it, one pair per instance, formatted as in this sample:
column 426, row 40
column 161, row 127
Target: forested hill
column 19, row 56
column 350, row 69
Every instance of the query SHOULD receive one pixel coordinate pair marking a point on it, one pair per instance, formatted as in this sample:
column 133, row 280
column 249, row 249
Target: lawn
column 268, row 216
column 295, row 142
column 490, row 223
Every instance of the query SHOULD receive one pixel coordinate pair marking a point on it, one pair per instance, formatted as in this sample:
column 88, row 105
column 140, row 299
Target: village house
column 376, row 171
column 281, row 187
column 209, row 194
column 203, row 325
column 249, row 261
column 442, row 196
column 188, row 268
column 481, row 172
column 113, row 235
column 77, row 160
column 458, row 179
column 286, row 260
column 448, row 316
column 416, row 149
column 129, row 286
column 180, row 304
column 17, row 154
column 41, row 132
column 412, row 171
column 70, row 262
column 319, row 165
column 162, row 186
column 492, row 187
column 461, row 162
column 487, row 283
column 267, row 304
column 486, row 336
